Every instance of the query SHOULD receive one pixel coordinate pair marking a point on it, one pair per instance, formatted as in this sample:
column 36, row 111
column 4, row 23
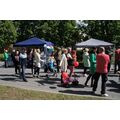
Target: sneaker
column 104, row 95
column 85, row 75
column 85, row 85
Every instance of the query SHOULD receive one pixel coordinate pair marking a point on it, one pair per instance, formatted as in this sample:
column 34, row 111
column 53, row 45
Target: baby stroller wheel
column 75, row 83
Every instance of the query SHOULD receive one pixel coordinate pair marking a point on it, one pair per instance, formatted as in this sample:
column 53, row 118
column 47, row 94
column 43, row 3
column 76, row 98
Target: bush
column 79, row 56
column 1, row 57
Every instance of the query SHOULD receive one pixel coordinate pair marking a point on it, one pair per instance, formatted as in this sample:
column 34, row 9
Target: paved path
column 8, row 78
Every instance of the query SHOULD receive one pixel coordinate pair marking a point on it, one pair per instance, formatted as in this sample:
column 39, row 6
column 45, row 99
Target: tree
column 8, row 33
column 107, row 30
column 60, row 32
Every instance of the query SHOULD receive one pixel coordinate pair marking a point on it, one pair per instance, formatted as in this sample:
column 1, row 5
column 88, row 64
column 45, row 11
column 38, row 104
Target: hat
column 86, row 49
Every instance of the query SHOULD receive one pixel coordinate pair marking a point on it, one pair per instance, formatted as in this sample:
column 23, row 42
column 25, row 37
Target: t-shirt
column 102, row 63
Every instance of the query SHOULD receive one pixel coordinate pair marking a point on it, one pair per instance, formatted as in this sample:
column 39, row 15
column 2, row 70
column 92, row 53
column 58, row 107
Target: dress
column 64, row 63
column 86, row 60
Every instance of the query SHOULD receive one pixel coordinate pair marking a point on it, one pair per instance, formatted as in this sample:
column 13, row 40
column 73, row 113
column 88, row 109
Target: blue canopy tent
column 93, row 43
column 33, row 42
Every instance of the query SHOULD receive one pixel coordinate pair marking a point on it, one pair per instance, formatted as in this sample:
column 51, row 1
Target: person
column 117, row 60
column 30, row 57
column 48, row 53
column 50, row 65
column 92, row 66
column 6, row 56
column 58, row 58
column 13, row 56
column 101, row 70
column 86, row 60
column 37, row 62
column 17, row 62
column 23, row 62
column 108, row 52
column 74, row 58
column 63, row 63
column 70, row 61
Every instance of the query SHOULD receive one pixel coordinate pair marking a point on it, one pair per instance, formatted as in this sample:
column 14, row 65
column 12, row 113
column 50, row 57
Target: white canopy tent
column 93, row 43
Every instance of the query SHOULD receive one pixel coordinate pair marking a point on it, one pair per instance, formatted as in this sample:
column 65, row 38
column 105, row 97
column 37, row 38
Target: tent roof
column 32, row 42
column 93, row 43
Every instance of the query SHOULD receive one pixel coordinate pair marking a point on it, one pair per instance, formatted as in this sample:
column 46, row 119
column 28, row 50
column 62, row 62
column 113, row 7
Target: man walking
column 101, row 70
column 23, row 62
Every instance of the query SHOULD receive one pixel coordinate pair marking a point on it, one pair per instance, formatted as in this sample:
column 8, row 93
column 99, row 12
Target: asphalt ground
column 52, row 84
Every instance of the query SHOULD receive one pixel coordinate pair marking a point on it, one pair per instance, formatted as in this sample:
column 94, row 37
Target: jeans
column 104, row 80
column 23, row 72
column 37, row 70
column 85, row 70
column 23, row 66
column 6, row 63
column 58, row 62
column 17, row 68
column 92, row 76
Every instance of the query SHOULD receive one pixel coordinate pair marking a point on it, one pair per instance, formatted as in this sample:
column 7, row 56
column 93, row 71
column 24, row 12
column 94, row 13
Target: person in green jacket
column 92, row 66
column 6, row 56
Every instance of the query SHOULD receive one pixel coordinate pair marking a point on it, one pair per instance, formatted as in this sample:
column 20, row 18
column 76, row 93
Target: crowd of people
column 96, row 60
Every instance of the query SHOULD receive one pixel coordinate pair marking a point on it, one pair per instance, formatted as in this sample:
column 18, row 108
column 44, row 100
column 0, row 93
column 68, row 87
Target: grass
column 12, row 93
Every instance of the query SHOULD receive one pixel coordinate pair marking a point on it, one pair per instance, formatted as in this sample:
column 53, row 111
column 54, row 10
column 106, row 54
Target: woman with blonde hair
column 86, row 60
column 37, row 62
column 63, row 63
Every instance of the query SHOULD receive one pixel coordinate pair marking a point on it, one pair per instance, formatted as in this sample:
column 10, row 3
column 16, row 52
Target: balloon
column 76, row 64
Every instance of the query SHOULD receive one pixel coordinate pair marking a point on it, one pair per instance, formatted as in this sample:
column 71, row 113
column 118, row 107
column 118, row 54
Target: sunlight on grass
column 12, row 93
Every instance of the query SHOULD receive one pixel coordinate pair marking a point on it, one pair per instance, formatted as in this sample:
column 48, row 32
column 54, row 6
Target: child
column 50, row 65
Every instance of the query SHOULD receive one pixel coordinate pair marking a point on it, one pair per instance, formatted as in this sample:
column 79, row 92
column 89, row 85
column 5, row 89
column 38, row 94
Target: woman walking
column 86, row 61
column 37, row 62
column 92, row 66
column 17, row 62
column 63, row 63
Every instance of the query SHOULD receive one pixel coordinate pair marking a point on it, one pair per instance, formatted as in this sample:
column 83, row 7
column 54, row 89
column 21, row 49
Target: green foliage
column 1, row 57
column 108, row 30
column 61, row 32
column 8, row 33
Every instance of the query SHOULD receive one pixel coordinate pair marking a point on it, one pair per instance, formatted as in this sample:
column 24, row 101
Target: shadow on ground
column 78, row 92
column 72, row 86
column 50, row 81
column 115, row 87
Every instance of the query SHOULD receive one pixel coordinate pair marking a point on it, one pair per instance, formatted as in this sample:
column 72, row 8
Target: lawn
column 12, row 93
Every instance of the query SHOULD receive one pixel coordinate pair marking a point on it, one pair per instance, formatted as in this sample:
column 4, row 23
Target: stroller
column 66, row 80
